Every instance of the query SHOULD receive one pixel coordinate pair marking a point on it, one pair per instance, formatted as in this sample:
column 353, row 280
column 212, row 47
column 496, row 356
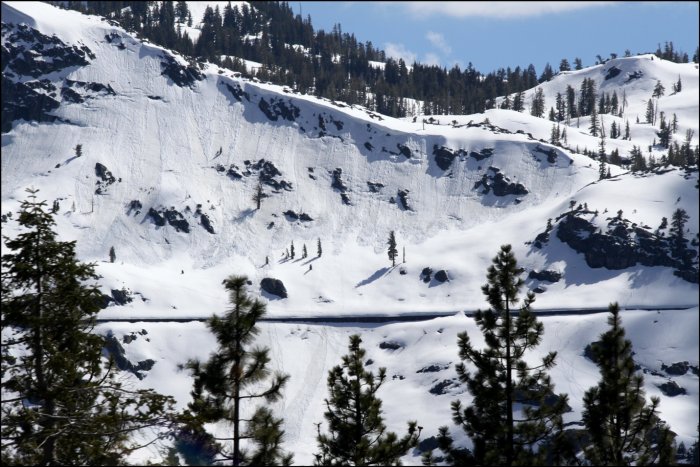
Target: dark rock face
column 426, row 274
column 273, row 287
column 206, row 223
column 481, row 155
column 267, row 173
column 121, row 297
column 338, row 185
column 26, row 51
column 676, row 369
column 441, row 276
column 634, row 75
column 623, row 245
column 390, row 345
column 551, row 153
column 172, row 216
column 546, row 275
column 375, row 187
column 157, row 218
column 177, row 220
column 21, row 101
column 443, row 157
column 442, row 387
column 672, row 389
column 404, row 150
column 181, row 75
column 494, row 180
column 279, row 108
column 115, row 349
column 433, row 368
column 403, row 196
column 612, row 72
column 106, row 178
column 237, row 92
column 293, row 216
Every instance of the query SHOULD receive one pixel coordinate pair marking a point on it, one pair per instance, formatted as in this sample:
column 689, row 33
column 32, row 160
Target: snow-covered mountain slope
column 420, row 359
column 172, row 153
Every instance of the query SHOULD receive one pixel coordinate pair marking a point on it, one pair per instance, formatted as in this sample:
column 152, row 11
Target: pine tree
column 627, row 130
column 230, row 380
column 357, row 434
column 291, row 250
column 258, row 195
column 303, row 251
column 319, row 251
column 78, row 150
column 649, row 115
column 537, row 108
column 112, row 255
column 658, row 90
column 392, row 251
column 61, row 405
column 676, row 232
column 578, row 65
column 503, row 378
column 593, row 128
column 623, row 428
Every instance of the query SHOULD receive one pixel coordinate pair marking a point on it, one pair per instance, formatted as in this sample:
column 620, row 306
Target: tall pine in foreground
column 357, row 434
column 62, row 404
column 502, row 435
column 623, row 428
column 232, row 378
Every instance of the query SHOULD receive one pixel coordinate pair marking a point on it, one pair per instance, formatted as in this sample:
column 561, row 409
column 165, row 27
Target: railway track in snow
column 406, row 317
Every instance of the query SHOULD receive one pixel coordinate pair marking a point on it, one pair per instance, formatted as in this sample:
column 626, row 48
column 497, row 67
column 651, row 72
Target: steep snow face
column 172, row 153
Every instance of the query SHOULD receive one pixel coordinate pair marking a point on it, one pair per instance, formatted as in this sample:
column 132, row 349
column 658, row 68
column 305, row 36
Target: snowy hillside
column 171, row 156
column 159, row 158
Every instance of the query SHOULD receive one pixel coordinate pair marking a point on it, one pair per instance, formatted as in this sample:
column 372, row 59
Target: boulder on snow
column 273, row 287
column 441, row 276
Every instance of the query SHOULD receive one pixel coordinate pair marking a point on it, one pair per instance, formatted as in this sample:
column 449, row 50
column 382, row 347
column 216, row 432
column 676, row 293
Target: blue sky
column 491, row 35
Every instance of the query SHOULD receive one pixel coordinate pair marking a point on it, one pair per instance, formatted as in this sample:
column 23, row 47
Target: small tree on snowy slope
column 258, row 195
column 392, row 251
column 357, row 434
column 319, row 250
column 623, row 428
column 231, row 378
column 503, row 378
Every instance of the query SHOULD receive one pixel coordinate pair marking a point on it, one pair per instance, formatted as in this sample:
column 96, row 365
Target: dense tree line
column 334, row 65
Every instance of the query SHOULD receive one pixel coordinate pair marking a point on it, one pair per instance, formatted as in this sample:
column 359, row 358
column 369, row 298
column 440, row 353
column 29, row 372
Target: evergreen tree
column 664, row 132
column 677, row 232
column 258, row 195
column 578, row 65
column 231, row 379
column 627, row 130
column 61, row 405
column 78, row 150
column 392, row 251
column 303, row 251
column 564, row 65
column 291, row 250
column 593, row 128
column 319, row 251
column 503, row 378
column 112, row 255
column 639, row 164
column 519, row 101
column 659, row 90
column 649, row 115
column 623, row 428
column 357, row 434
